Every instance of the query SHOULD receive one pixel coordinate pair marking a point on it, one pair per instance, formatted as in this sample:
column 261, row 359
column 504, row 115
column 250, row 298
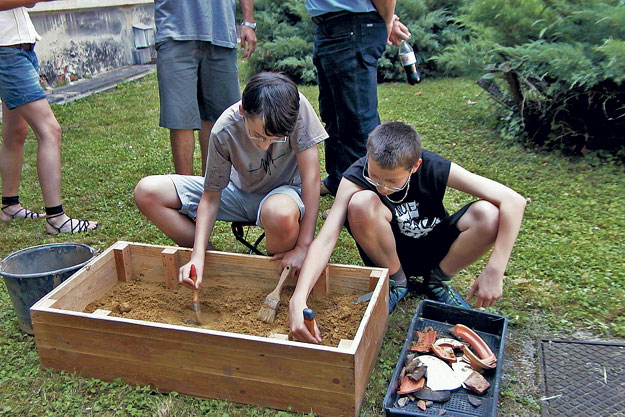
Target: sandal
column 75, row 225
column 26, row 214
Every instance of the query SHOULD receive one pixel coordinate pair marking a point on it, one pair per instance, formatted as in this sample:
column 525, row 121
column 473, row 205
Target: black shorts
column 419, row 256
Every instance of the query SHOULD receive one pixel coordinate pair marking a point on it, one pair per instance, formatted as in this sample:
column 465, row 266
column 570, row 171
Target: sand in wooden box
column 264, row 371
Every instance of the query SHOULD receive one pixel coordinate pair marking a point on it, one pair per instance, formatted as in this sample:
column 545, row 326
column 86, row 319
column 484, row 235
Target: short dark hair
column 394, row 144
column 274, row 98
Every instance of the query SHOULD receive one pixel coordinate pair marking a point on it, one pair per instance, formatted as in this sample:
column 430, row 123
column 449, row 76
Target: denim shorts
column 19, row 77
column 196, row 81
column 235, row 205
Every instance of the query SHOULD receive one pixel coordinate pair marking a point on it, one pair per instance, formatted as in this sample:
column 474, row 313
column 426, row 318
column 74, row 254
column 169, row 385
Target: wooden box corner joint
column 123, row 262
column 171, row 265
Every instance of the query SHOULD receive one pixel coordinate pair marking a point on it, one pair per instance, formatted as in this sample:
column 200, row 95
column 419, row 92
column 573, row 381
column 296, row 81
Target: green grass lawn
column 566, row 277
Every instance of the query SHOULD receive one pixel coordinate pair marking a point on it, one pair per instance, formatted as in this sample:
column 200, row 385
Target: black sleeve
column 354, row 174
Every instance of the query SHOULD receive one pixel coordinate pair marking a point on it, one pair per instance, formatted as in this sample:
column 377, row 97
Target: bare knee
column 14, row 135
column 281, row 222
column 148, row 192
column 50, row 133
column 361, row 210
column 485, row 218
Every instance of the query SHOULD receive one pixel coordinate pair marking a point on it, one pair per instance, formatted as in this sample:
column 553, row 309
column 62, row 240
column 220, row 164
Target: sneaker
column 395, row 294
column 440, row 290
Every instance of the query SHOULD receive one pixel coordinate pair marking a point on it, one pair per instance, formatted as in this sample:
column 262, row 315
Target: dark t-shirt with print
column 416, row 217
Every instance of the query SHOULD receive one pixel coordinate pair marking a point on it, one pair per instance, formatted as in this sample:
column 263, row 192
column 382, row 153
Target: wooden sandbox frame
column 267, row 371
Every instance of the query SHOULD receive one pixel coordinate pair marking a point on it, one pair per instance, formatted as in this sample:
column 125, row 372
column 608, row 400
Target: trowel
column 364, row 298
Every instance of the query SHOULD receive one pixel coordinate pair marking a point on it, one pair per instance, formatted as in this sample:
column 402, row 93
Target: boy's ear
column 416, row 166
column 241, row 109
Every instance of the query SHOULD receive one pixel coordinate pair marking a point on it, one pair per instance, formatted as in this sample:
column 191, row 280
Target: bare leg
column 370, row 224
column 182, row 146
column 478, row 231
column 14, row 131
column 204, row 135
column 157, row 199
column 280, row 218
column 39, row 116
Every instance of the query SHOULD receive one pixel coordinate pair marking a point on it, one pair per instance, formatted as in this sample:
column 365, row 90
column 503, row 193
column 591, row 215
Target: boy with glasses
column 262, row 167
column 391, row 200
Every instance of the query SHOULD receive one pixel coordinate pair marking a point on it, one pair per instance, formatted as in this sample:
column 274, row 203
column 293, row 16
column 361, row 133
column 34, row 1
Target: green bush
column 285, row 34
column 554, row 67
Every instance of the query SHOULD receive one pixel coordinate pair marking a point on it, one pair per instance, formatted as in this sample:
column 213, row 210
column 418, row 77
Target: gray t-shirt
column 186, row 20
column 233, row 157
column 319, row 7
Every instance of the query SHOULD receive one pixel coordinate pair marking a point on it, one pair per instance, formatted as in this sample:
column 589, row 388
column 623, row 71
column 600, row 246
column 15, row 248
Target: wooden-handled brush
column 196, row 298
column 267, row 312
column 309, row 320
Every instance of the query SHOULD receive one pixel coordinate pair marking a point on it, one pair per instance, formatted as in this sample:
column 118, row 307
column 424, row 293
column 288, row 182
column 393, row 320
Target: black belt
column 24, row 46
column 323, row 18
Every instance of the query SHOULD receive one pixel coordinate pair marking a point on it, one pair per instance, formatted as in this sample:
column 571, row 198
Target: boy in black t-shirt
column 392, row 200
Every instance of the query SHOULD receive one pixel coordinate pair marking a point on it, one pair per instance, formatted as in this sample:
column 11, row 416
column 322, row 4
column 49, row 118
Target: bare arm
column 489, row 285
column 316, row 260
column 204, row 223
column 308, row 166
column 12, row 4
column 248, row 36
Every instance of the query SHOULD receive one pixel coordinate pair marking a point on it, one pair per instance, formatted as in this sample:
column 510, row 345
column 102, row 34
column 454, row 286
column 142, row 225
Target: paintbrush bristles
column 268, row 311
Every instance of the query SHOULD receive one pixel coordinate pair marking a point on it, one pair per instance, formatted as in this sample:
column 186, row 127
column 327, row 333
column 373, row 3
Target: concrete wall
column 81, row 38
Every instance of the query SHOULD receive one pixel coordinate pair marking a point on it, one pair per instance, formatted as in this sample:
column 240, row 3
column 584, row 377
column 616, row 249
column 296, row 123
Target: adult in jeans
column 197, row 68
column 350, row 37
column 24, row 104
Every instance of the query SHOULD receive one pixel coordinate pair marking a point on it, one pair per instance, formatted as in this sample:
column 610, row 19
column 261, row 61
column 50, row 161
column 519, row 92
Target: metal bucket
column 33, row 272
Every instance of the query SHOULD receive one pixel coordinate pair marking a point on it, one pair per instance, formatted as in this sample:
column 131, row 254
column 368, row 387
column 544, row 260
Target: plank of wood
column 171, row 265
column 123, row 261
column 234, row 269
column 247, row 345
column 86, row 286
column 345, row 344
column 192, row 382
column 374, row 277
column 280, row 336
column 369, row 336
column 322, row 286
column 101, row 312
column 205, row 357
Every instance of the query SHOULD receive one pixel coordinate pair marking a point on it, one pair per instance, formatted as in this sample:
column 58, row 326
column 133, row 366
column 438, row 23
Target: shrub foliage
column 556, row 69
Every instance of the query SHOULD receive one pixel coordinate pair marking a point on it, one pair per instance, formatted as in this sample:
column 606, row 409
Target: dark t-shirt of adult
column 420, row 222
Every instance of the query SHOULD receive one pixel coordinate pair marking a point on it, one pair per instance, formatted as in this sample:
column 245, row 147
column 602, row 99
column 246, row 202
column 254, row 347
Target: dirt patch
column 229, row 309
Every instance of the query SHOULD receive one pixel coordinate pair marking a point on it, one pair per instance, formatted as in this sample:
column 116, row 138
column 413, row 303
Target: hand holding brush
column 196, row 297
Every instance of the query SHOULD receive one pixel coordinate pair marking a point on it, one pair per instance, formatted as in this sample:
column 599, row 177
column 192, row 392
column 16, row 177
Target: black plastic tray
column 490, row 327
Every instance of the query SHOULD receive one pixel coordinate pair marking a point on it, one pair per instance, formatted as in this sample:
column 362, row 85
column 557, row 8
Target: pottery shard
column 408, row 385
column 477, row 383
column 403, row 401
column 423, row 344
column 474, row 401
column 421, row 405
column 417, row 374
column 446, row 353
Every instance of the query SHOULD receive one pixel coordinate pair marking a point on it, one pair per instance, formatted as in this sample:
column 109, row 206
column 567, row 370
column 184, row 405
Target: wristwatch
column 251, row 25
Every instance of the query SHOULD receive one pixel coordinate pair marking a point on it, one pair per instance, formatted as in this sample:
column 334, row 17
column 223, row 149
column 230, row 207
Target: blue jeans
column 19, row 77
column 346, row 52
